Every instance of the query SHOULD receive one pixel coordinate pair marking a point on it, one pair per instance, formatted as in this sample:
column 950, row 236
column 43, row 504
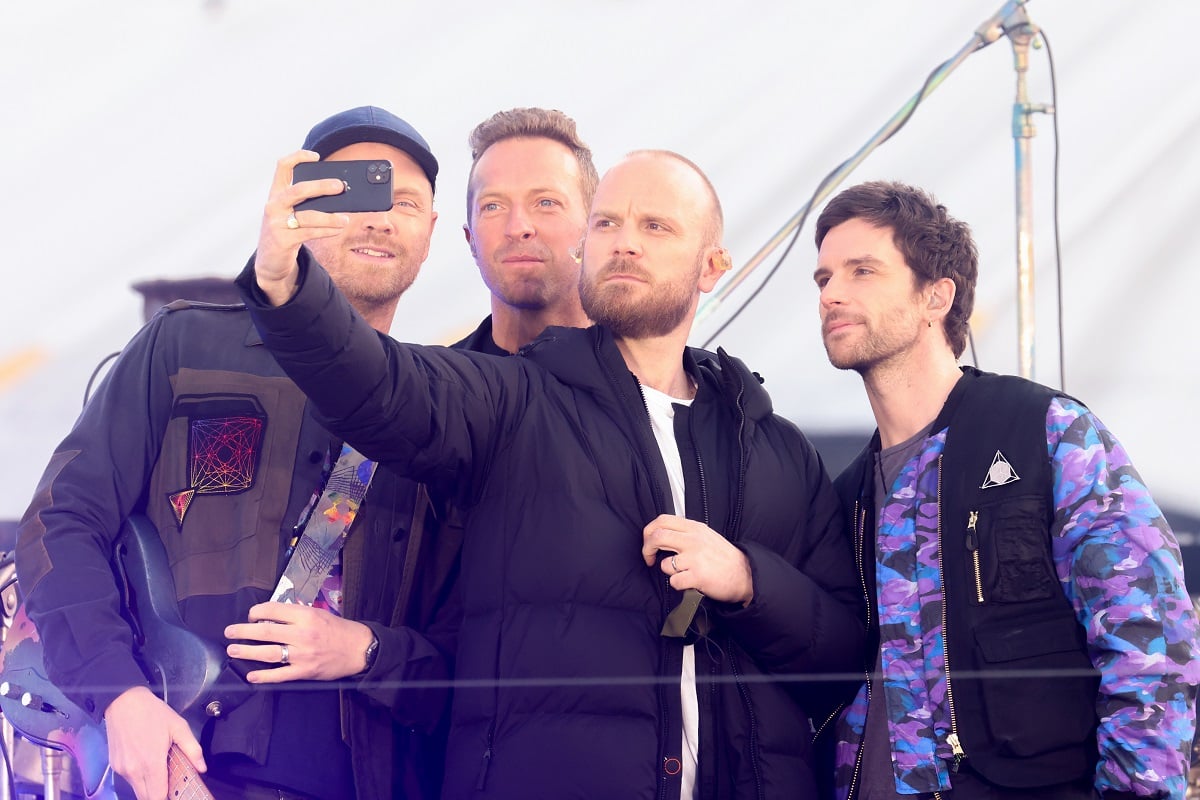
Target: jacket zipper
column 973, row 546
column 487, row 757
column 735, row 521
column 955, row 743
column 734, row 526
column 860, row 543
column 744, row 692
column 664, row 728
column 699, row 469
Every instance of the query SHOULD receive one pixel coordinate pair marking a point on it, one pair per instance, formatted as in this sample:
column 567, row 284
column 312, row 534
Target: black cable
column 920, row 97
column 1058, row 271
column 87, row 390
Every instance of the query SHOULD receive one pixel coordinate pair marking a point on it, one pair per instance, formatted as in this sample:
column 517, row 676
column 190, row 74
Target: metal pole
column 1021, row 35
column 52, row 768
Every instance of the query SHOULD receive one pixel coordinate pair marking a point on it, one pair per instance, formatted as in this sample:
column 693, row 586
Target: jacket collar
column 573, row 354
column 481, row 340
column 955, row 398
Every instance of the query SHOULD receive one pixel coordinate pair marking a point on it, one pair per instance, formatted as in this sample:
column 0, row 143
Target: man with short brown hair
column 531, row 182
column 1035, row 640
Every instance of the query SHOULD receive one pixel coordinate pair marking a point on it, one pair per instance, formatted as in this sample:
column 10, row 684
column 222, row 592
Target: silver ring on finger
column 675, row 564
column 284, row 657
column 292, row 222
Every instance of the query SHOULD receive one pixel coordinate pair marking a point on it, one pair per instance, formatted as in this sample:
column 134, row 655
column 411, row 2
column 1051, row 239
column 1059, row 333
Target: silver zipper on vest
column 955, row 743
column 860, row 534
column 973, row 546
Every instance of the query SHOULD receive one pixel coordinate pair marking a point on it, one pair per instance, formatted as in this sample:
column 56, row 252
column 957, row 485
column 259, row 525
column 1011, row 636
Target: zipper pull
column 956, row 748
column 972, row 519
column 483, row 770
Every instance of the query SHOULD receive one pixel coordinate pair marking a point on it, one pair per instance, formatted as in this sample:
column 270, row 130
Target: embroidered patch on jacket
column 180, row 502
column 222, row 456
column 1000, row 473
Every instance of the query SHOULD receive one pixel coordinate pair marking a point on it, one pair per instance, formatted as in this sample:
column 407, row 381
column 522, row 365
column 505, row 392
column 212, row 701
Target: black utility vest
column 1022, row 685
column 1027, row 717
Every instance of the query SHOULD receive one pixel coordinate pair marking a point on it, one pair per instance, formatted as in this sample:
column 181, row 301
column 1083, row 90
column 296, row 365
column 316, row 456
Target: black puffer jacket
column 566, row 686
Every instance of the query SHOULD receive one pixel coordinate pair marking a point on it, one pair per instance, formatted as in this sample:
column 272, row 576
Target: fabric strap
column 680, row 618
column 326, row 530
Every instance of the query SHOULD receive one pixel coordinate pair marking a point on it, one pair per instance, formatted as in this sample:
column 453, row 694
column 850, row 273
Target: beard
column 523, row 288
column 364, row 286
column 637, row 311
column 876, row 345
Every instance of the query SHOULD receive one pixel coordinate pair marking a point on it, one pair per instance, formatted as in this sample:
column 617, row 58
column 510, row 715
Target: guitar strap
column 326, row 530
column 324, row 527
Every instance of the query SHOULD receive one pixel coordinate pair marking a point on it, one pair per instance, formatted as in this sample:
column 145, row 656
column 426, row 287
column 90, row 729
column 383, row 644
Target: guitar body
column 180, row 666
column 54, row 721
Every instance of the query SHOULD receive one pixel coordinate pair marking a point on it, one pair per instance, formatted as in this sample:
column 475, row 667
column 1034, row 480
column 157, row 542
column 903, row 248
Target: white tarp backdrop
column 139, row 138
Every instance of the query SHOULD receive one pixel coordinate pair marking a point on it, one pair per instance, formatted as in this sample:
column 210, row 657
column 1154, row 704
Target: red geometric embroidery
column 224, row 453
column 180, row 502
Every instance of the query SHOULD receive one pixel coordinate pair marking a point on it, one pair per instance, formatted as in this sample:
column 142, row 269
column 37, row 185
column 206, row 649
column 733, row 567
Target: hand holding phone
column 367, row 185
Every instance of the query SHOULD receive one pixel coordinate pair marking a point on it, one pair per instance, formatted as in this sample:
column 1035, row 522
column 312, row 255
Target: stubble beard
column 877, row 345
column 370, row 288
column 631, row 311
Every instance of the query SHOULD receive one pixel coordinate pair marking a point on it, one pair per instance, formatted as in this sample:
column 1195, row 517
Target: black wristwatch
column 372, row 652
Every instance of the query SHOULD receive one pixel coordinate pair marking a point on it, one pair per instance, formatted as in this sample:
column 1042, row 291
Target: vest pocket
column 1038, row 685
column 1007, row 548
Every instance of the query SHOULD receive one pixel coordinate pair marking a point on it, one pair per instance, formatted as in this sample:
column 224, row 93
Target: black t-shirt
column 306, row 754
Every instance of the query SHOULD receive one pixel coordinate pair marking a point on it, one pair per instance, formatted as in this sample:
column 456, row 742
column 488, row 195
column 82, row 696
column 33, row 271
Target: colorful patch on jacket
column 223, row 455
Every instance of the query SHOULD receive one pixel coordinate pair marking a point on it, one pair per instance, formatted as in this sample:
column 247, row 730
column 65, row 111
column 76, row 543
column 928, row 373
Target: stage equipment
column 1010, row 20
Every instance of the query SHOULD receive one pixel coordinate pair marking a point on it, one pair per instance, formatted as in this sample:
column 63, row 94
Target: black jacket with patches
column 196, row 413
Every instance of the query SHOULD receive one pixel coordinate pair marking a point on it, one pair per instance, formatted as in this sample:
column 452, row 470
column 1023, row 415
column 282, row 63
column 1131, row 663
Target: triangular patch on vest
column 1000, row 473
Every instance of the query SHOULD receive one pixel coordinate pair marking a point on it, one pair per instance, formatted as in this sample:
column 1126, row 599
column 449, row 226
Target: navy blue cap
column 372, row 124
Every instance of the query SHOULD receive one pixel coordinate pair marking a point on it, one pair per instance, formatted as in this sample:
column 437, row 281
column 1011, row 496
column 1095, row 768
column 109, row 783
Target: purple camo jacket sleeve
column 1120, row 567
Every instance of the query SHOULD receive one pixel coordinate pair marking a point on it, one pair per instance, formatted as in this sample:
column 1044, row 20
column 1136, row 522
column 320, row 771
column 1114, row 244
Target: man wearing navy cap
column 197, row 429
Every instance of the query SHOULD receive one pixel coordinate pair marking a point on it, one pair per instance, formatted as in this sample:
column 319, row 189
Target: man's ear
column 717, row 262
column 941, row 296
column 470, row 241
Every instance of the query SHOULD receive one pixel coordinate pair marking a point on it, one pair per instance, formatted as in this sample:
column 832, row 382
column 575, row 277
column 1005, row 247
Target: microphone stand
column 1010, row 19
column 1021, row 33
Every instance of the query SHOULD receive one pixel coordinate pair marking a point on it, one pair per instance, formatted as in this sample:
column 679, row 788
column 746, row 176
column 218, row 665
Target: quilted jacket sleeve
column 433, row 413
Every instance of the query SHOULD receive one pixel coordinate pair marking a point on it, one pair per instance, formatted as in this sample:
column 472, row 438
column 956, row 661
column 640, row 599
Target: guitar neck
column 183, row 781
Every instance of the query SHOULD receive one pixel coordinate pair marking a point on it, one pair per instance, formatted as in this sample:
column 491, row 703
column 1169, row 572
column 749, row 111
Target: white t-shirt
column 662, row 422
